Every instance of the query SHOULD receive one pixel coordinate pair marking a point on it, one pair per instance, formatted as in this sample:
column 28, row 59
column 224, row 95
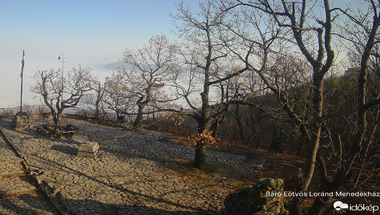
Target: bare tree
column 205, row 57
column 96, row 98
column 314, row 42
column 100, row 91
column 354, row 161
column 65, row 90
column 118, row 97
column 313, row 36
column 149, row 70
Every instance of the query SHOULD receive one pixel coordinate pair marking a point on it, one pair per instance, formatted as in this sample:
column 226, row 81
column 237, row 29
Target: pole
column 63, row 68
column 22, row 77
column 22, row 69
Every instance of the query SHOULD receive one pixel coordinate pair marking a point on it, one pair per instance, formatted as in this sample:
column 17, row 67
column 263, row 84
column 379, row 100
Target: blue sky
column 91, row 33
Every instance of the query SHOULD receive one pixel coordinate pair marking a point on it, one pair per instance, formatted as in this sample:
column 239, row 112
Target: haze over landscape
column 90, row 33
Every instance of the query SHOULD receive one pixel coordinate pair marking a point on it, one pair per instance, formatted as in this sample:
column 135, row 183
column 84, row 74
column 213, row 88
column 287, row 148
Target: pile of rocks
column 21, row 121
column 49, row 131
column 257, row 199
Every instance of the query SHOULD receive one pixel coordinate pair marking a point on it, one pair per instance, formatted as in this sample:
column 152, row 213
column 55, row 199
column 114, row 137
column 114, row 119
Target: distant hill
column 115, row 65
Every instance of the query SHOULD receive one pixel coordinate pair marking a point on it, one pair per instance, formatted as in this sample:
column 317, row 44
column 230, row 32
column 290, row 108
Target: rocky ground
column 135, row 173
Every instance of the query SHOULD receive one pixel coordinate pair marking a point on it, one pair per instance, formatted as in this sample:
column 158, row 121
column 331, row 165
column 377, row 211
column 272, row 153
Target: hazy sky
column 91, row 33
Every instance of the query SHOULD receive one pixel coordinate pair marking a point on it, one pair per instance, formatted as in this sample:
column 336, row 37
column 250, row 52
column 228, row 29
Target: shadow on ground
column 139, row 200
column 27, row 205
column 100, row 208
column 69, row 147
column 31, row 205
column 131, row 145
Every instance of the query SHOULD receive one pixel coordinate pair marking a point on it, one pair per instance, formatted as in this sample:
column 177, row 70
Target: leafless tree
column 314, row 41
column 100, row 91
column 205, row 57
column 96, row 97
column 360, row 31
column 313, row 36
column 61, row 91
column 148, row 71
column 117, row 96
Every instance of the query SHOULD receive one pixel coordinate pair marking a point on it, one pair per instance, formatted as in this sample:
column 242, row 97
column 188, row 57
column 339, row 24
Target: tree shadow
column 93, row 207
column 123, row 147
column 162, row 152
column 139, row 198
column 65, row 149
column 177, row 156
column 39, row 204
column 27, row 204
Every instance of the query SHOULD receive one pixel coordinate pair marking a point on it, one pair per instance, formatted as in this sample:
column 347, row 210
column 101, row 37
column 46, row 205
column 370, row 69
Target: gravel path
column 134, row 174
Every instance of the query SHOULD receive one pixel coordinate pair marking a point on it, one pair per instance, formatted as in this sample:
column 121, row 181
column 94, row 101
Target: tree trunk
column 57, row 121
column 96, row 112
column 200, row 150
column 214, row 128
column 97, row 102
column 200, row 156
column 240, row 125
column 255, row 141
column 137, row 123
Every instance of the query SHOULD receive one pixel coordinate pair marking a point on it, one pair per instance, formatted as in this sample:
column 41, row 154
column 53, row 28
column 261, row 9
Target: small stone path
column 134, row 174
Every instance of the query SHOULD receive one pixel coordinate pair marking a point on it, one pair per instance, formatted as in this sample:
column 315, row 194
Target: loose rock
column 255, row 200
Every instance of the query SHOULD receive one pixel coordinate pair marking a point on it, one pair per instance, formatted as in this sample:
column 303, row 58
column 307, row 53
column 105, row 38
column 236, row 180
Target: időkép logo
column 341, row 207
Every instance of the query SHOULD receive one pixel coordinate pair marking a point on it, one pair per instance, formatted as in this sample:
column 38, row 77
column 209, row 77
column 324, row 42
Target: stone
column 254, row 199
column 21, row 121
column 88, row 150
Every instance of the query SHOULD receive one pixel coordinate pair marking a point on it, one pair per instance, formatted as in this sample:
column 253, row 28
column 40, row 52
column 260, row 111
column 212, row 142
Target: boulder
column 254, row 200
